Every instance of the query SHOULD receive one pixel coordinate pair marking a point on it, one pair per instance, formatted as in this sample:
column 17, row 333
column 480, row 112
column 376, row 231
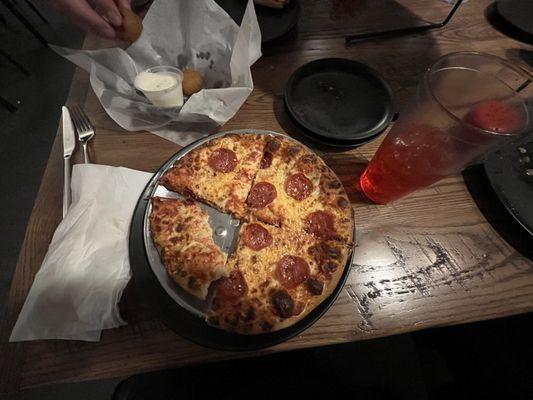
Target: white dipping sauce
column 162, row 88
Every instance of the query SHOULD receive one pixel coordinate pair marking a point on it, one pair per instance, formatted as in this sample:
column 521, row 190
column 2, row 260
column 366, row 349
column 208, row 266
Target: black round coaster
column 339, row 102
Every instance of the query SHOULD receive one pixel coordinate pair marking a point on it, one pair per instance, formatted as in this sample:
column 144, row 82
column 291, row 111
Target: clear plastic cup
column 162, row 86
column 466, row 105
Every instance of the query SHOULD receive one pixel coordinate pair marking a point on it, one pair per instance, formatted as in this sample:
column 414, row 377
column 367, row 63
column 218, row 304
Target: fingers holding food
column 83, row 15
column 131, row 27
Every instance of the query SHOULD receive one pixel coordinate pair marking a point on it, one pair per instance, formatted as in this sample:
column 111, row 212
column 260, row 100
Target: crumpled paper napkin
column 195, row 34
column 76, row 291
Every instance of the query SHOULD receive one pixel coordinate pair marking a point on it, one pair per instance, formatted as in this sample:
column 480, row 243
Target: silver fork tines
column 84, row 129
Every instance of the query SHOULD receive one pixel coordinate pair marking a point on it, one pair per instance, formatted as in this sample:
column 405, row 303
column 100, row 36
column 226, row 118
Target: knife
column 68, row 147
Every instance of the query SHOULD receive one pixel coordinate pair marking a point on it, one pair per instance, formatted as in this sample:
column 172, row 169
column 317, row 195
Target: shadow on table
column 522, row 55
column 501, row 25
column 495, row 212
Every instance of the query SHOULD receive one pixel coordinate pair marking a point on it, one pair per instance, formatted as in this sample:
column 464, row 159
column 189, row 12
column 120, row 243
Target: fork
column 84, row 129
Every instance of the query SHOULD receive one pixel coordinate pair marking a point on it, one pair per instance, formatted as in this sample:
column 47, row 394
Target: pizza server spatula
column 225, row 227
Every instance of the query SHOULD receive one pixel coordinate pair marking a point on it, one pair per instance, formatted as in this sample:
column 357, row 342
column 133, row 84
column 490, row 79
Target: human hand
column 101, row 17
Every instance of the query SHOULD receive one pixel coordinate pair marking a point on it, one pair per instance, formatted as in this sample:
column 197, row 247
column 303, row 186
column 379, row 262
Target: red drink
column 494, row 116
column 448, row 125
column 415, row 155
column 412, row 159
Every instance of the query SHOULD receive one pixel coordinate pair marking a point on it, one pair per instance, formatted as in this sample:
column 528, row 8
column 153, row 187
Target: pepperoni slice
column 291, row 271
column 282, row 303
column 315, row 286
column 320, row 224
column 223, row 160
column 232, row 287
column 298, row 186
column 272, row 145
column 343, row 203
column 262, row 194
column 256, row 237
column 266, row 161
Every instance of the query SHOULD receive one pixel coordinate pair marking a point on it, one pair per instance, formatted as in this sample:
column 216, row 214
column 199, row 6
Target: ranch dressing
column 162, row 86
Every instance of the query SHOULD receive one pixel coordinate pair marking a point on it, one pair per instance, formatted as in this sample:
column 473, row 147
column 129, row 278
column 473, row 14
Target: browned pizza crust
column 181, row 232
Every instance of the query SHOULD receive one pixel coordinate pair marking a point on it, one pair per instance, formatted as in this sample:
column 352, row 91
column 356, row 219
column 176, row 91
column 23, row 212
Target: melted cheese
column 181, row 231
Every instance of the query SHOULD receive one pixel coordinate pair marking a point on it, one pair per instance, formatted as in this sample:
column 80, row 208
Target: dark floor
column 26, row 135
column 25, row 142
column 486, row 360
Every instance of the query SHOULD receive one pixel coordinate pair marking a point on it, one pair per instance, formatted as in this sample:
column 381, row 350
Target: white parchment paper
column 195, row 34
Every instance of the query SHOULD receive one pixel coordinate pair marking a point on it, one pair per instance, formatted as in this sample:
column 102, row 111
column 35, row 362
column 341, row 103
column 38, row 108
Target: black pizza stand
column 189, row 325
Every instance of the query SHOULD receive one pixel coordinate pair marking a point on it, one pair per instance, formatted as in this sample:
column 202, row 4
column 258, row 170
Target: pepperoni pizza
column 296, row 236
column 181, row 231
column 277, row 276
column 220, row 172
column 294, row 187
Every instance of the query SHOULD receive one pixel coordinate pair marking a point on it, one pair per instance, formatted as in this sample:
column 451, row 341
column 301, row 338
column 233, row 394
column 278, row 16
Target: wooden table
column 429, row 260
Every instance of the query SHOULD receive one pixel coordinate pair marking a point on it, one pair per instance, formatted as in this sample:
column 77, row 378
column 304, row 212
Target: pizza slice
column 219, row 172
column 295, row 188
column 267, row 199
column 277, row 276
column 181, row 232
column 330, row 216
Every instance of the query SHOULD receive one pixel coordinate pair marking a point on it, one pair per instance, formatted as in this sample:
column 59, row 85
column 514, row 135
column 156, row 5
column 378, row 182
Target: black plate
column 187, row 324
column 506, row 170
column 518, row 13
column 273, row 22
column 339, row 102
column 344, row 144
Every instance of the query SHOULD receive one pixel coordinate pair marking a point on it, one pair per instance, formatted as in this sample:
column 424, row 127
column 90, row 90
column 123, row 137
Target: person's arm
column 101, row 17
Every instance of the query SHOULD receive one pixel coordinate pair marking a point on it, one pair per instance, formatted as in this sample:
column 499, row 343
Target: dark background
column 489, row 360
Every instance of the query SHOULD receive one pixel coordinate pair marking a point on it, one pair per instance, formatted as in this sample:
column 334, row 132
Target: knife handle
column 85, row 152
column 66, row 187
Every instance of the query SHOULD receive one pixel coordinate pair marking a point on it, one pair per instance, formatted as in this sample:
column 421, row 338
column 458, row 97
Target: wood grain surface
column 431, row 259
